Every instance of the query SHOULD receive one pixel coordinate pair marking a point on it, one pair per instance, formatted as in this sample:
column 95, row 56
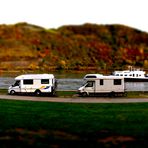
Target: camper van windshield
column 89, row 84
column 17, row 83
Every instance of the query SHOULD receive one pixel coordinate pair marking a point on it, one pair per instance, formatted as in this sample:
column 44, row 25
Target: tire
column 112, row 94
column 12, row 92
column 84, row 94
column 38, row 93
column 125, row 94
column 52, row 91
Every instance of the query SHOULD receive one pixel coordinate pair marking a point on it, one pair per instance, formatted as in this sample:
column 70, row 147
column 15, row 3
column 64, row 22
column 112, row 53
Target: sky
column 56, row 13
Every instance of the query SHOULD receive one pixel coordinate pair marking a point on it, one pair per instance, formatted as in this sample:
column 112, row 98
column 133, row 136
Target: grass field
column 44, row 124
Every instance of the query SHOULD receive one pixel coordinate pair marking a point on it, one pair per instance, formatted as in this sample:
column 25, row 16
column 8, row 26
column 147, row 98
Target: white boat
column 132, row 75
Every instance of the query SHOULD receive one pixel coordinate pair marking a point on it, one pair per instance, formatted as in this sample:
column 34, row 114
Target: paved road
column 76, row 99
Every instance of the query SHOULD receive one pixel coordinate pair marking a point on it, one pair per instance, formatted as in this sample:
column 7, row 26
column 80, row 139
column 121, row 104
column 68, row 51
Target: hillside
column 28, row 47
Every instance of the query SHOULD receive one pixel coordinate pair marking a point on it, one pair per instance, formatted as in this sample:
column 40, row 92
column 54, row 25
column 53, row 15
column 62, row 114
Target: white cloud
column 54, row 13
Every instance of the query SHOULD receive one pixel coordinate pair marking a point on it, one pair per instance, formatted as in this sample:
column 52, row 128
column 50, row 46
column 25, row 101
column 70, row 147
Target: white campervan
column 34, row 83
column 102, row 85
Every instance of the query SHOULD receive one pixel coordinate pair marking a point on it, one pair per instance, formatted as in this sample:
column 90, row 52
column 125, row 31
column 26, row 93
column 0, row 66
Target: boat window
column 125, row 75
column 117, row 74
column 121, row 74
column 44, row 81
column 117, row 82
column 130, row 75
column 28, row 82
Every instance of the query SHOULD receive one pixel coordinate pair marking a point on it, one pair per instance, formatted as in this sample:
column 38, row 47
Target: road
column 76, row 99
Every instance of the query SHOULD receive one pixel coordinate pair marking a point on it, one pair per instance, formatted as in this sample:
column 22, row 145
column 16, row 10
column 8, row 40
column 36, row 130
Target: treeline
column 82, row 47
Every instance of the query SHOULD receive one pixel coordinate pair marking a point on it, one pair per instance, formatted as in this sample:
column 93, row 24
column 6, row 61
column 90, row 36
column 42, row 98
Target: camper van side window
column 117, row 82
column 44, row 81
column 101, row 82
column 28, row 82
column 90, row 76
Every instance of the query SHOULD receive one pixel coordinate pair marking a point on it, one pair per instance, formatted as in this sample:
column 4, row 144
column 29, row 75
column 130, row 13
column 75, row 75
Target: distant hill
column 90, row 46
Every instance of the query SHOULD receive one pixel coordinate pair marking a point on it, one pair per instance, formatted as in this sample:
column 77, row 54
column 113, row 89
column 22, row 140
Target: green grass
column 86, row 121
column 138, row 94
column 75, row 117
column 65, row 93
column 3, row 91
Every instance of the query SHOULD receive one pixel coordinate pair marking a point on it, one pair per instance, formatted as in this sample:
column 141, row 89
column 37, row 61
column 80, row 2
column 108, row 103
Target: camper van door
column 90, row 86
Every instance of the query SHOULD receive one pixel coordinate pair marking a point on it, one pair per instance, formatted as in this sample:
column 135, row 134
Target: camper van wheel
column 37, row 92
column 84, row 94
column 12, row 92
column 112, row 94
column 52, row 91
column 125, row 94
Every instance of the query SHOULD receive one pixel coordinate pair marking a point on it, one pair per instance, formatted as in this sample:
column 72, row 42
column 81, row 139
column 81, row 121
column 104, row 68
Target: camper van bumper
column 81, row 91
column 9, row 89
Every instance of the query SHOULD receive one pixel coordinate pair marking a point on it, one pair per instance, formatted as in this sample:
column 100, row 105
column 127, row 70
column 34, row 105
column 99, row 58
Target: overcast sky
column 56, row 13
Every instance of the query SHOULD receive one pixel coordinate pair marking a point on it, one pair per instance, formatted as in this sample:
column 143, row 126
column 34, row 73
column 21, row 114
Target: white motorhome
column 103, row 85
column 34, row 83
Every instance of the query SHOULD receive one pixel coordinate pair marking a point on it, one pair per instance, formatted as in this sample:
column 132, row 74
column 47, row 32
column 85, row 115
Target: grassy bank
column 42, row 124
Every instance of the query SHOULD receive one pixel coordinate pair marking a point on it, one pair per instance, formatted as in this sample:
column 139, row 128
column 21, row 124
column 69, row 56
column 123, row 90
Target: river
column 72, row 83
